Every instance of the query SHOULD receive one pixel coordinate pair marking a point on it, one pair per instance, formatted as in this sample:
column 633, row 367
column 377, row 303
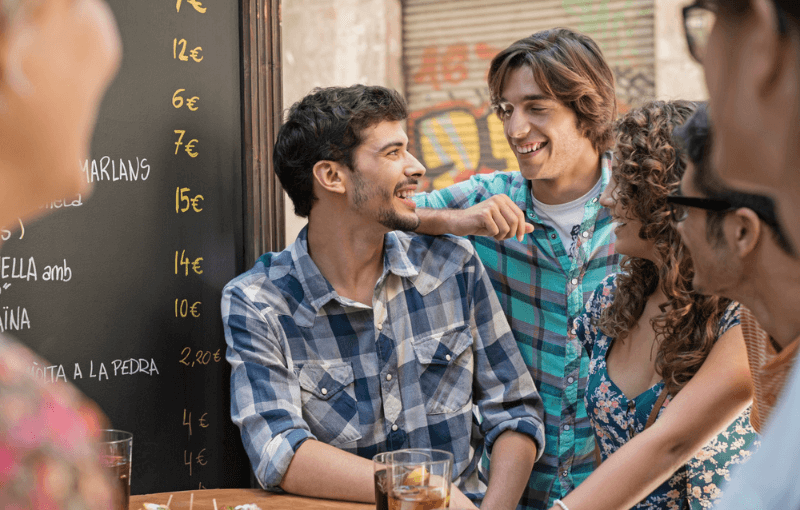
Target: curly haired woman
column 658, row 349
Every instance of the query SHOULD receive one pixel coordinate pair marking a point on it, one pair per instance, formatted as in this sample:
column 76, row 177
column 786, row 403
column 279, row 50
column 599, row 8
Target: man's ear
column 330, row 176
column 775, row 50
column 743, row 231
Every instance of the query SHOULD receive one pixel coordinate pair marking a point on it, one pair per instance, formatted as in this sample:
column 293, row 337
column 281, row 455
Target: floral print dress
column 616, row 418
column 48, row 434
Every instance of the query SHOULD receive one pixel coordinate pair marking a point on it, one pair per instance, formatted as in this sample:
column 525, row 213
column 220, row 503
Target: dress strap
column 656, row 408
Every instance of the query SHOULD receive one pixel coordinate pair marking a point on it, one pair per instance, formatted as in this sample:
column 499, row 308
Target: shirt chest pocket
column 446, row 370
column 329, row 403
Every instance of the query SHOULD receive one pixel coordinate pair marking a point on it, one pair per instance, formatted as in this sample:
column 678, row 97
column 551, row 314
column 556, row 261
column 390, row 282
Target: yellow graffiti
column 455, row 144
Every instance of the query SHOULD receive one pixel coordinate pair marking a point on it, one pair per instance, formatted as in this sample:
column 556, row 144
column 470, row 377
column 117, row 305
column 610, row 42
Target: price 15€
column 183, row 263
column 183, row 202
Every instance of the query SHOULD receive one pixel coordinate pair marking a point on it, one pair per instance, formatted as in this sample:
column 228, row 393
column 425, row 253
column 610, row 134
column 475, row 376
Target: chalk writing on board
column 108, row 169
column 194, row 54
column 191, row 102
column 189, row 458
column 6, row 234
column 58, row 204
column 197, row 4
column 187, row 263
column 187, row 421
column 184, row 309
column 17, row 268
column 99, row 371
column 190, row 146
column 200, row 357
column 14, row 319
column 183, row 201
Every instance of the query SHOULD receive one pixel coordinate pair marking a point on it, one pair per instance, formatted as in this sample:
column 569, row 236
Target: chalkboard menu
column 120, row 291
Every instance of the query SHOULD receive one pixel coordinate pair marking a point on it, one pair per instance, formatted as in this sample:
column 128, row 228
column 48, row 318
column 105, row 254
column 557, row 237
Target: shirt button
column 324, row 391
column 585, row 234
column 574, row 281
column 564, row 474
column 570, row 380
column 566, row 427
column 388, row 377
column 394, row 427
column 594, row 200
column 448, row 357
column 574, row 331
column 379, row 326
column 552, row 236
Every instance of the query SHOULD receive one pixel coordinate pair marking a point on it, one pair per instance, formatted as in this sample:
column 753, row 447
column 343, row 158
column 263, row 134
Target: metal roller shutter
column 447, row 47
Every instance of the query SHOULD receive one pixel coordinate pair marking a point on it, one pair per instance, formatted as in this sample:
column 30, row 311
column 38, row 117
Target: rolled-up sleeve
column 506, row 396
column 265, row 392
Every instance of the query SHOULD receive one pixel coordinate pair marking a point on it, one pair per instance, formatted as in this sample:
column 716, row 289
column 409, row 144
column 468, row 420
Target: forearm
column 635, row 470
column 320, row 470
column 510, row 468
column 434, row 222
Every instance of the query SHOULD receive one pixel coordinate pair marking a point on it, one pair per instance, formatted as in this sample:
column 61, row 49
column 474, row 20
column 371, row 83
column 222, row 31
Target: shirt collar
column 606, row 161
column 317, row 291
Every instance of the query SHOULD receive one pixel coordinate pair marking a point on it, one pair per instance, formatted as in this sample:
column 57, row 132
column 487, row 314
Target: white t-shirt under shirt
column 566, row 218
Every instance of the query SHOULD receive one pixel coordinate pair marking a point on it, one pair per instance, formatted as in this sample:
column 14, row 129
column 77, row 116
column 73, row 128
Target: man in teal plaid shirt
column 541, row 233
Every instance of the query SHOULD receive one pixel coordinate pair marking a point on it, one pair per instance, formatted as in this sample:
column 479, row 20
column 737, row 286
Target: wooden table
column 204, row 500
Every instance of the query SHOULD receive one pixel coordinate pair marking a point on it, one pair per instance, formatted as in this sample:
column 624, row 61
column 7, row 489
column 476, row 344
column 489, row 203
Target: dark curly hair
column 647, row 168
column 327, row 125
column 568, row 66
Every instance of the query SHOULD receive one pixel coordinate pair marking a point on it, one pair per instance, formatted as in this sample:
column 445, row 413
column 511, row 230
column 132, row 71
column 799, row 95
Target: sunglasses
column 699, row 19
column 679, row 205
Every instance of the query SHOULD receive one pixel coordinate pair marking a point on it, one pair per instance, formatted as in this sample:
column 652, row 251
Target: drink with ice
column 414, row 497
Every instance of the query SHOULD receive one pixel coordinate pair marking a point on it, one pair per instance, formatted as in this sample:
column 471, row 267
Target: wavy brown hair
column 569, row 67
column 647, row 168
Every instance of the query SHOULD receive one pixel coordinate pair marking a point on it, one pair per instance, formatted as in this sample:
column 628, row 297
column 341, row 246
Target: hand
column 459, row 501
column 497, row 217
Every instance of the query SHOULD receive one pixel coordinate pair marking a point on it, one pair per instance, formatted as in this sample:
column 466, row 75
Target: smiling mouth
column 527, row 149
column 405, row 194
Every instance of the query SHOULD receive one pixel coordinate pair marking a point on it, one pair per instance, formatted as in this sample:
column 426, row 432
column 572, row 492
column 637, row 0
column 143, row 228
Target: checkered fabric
column 431, row 364
column 541, row 291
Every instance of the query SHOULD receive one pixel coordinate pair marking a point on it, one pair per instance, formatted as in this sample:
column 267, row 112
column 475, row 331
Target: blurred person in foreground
column 56, row 60
column 554, row 93
column 359, row 338
column 750, row 50
column 740, row 251
column 669, row 385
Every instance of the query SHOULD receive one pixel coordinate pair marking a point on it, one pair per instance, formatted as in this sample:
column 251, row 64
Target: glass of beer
column 380, row 462
column 419, row 479
column 115, row 456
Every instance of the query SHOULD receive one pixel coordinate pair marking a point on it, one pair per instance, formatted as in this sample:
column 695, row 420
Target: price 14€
column 182, row 262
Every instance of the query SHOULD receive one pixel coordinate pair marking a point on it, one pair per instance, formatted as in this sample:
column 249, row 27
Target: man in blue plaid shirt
column 357, row 339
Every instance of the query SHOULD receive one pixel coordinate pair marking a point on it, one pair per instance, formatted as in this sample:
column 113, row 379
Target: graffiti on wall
column 455, row 140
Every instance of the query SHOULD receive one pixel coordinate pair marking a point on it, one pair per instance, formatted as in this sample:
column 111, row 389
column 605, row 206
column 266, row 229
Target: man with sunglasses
column 740, row 251
column 751, row 53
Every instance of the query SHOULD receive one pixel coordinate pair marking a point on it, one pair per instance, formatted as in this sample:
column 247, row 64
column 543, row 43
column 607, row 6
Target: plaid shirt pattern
column 431, row 364
column 541, row 291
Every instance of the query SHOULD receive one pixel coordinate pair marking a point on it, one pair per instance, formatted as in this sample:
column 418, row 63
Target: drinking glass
column 380, row 462
column 418, row 479
column 115, row 456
